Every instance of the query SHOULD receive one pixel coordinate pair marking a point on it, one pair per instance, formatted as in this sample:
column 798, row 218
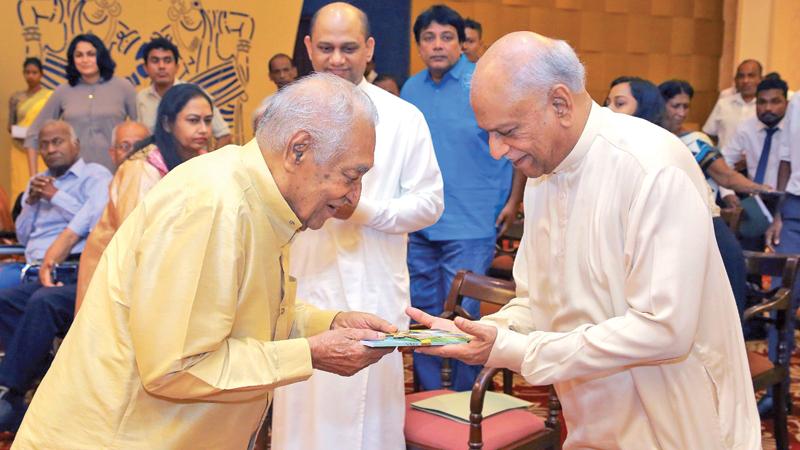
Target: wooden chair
column 514, row 429
column 507, row 245
column 773, row 306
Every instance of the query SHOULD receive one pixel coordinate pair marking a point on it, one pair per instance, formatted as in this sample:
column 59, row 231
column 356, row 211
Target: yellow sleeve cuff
column 294, row 361
column 313, row 321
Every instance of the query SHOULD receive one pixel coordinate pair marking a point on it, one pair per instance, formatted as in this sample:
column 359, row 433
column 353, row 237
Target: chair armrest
column 779, row 301
column 9, row 250
column 479, row 389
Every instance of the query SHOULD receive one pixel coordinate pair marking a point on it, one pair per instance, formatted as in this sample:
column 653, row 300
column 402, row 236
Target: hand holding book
column 476, row 351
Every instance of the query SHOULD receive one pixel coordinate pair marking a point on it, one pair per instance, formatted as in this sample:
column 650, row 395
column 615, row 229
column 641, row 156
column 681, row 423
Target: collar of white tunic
column 589, row 133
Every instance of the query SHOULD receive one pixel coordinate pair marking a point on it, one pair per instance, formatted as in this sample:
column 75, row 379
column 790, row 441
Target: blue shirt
column 476, row 186
column 82, row 195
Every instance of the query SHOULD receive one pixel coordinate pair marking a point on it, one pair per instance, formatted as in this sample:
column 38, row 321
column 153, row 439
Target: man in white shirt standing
column 730, row 110
column 360, row 262
column 623, row 303
column 765, row 131
column 161, row 64
column 759, row 141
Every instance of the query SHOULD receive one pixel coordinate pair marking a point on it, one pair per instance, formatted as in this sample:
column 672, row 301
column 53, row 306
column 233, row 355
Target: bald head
column 58, row 146
column 338, row 11
column 339, row 42
column 528, row 93
column 525, row 62
column 125, row 136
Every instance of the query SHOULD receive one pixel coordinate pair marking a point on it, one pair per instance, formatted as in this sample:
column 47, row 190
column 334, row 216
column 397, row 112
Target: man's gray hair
column 556, row 63
column 72, row 136
column 323, row 105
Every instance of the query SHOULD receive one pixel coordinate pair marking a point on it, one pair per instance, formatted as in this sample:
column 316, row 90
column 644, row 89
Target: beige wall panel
column 595, row 63
column 702, row 104
column 708, row 10
column 660, row 35
column 616, row 6
column 541, row 21
column 640, row 6
column 708, row 36
column 513, row 18
column 680, row 67
column 682, row 8
column 665, row 8
column 682, row 36
column 567, row 26
column 703, row 69
column 658, row 68
column 639, row 33
column 593, row 27
column 569, row 4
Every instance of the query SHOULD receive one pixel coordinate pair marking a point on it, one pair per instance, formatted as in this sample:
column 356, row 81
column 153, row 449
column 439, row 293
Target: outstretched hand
column 475, row 352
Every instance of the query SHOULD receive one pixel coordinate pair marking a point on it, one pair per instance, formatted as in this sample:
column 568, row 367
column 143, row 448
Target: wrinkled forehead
column 52, row 131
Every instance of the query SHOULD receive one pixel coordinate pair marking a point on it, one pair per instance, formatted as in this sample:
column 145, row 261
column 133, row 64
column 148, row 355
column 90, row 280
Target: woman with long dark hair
column 182, row 131
column 93, row 100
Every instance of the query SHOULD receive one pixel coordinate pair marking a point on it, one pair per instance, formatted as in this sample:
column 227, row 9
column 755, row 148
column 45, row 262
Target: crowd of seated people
column 104, row 147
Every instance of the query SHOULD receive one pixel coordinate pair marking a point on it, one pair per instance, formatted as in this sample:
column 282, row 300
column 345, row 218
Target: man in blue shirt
column 476, row 185
column 59, row 209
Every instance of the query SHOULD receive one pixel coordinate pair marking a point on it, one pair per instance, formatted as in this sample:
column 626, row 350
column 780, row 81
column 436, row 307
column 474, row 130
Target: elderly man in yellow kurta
column 190, row 320
column 623, row 302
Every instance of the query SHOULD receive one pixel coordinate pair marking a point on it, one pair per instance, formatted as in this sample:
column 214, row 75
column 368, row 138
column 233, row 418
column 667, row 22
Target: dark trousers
column 31, row 316
column 733, row 259
column 432, row 265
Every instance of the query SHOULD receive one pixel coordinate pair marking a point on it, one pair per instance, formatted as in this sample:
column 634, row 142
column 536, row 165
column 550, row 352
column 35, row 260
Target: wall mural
column 214, row 44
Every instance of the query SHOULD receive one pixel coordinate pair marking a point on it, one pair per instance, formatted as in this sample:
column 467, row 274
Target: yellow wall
column 765, row 30
column 784, row 51
column 654, row 39
column 214, row 37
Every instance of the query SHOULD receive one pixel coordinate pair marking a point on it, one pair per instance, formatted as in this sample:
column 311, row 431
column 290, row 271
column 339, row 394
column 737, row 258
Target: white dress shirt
column 747, row 143
column 729, row 112
column 623, row 302
column 360, row 264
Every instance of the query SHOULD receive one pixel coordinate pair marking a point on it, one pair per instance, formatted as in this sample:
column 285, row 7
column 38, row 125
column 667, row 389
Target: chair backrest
column 778, row 300
column 487, row 290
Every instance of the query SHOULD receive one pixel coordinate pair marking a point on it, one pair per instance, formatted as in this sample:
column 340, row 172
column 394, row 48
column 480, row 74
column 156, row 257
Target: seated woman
column 182, row 131
column 641, row 98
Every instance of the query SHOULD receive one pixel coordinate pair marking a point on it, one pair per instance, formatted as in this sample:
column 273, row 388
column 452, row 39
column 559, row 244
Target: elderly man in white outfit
column 360, row 263
column 623, row 302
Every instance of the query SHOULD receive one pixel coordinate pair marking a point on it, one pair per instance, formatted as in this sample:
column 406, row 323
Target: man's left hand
column 475, row 352
column 367, row 321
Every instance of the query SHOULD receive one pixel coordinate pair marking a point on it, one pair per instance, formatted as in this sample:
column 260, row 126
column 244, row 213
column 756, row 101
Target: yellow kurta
column 189, row 322
column 134, row 178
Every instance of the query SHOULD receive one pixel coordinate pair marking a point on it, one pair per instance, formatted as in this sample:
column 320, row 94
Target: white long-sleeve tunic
column 360, row 264
column 623, row 302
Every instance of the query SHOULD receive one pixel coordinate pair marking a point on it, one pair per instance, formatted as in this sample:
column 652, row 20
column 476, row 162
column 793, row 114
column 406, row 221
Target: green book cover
column 419, row 338
column 456, row 405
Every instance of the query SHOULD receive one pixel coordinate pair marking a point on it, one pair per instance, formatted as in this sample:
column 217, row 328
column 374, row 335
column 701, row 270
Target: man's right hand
column 341, row 352
column 773, row 234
